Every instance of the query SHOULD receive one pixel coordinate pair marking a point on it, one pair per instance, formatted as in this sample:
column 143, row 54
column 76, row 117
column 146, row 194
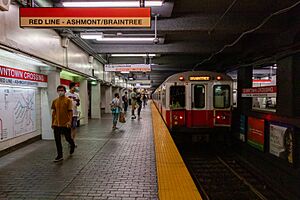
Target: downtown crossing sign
column 85, row 17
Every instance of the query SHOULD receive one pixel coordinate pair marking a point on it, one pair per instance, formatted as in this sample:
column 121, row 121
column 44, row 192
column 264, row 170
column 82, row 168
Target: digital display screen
column 199, row 78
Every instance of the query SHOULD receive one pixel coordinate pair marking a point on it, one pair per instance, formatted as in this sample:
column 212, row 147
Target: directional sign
column 127, row 68
column 85, row 17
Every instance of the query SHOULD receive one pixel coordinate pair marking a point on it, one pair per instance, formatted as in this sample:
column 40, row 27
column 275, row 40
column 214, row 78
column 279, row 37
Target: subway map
column 17, row 112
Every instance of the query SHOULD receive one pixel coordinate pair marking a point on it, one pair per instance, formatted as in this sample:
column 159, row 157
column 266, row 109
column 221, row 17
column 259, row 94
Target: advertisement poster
column 243, row 128
column 256, row 131
column 282, row 142
column 17, row 112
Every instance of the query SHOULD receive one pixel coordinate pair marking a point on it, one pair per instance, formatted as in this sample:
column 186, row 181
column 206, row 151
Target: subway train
column 195, row 101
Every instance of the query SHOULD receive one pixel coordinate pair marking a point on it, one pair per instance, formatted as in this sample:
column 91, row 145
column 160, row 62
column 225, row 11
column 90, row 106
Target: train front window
column 199, row 96
column 221, row 96
column 177, row 97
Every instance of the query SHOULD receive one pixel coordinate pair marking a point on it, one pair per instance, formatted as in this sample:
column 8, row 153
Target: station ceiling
column 217, row 35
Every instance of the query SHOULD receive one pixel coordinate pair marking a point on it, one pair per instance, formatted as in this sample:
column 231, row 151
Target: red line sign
column 21, row 74
column 259, row 91
column 85, row 17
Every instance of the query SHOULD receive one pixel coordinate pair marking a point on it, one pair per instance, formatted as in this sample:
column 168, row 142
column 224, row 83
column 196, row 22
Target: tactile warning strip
column 174, row 180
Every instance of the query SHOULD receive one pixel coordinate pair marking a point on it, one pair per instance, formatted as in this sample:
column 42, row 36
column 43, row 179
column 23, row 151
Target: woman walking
column 115, row 109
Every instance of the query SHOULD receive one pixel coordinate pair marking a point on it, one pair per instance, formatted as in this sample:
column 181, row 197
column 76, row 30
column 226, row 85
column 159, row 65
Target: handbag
column 122, row 118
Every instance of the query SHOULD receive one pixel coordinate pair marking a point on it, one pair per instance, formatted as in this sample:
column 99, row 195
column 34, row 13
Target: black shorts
column 74, row 122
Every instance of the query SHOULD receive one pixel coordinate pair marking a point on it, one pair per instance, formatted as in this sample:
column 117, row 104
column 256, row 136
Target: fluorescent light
column 91, row 36
column 153, row 3
column 133, row 55
column 125, row 72
column 124, row 39
column 112, row 4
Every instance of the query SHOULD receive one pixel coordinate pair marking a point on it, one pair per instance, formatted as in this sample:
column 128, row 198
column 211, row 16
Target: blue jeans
column 115, row 118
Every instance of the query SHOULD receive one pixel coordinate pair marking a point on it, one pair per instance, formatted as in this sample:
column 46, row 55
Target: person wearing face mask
column 76, row 102
column 62, row 120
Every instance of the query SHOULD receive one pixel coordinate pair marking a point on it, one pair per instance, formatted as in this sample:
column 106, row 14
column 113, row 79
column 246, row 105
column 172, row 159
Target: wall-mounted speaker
column 91, row 59
column 65, row 42
column 4, row 5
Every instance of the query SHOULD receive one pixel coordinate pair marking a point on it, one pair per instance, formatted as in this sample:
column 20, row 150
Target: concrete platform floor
column 106, row 165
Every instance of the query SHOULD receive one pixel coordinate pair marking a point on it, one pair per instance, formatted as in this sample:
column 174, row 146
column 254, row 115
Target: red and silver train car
column 195, row 100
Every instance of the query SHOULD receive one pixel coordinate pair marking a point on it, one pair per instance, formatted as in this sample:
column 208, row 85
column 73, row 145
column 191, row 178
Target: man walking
column 125, row 101
column 75, row 103
column 133, row 103
column 61, row 121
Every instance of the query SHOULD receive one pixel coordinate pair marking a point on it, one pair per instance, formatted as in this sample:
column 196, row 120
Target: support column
column 84, row 102
column 103, row 99
column 244, row 80
column 47, row 96
column 288, row 86
column 96, row 99
column 108, row 98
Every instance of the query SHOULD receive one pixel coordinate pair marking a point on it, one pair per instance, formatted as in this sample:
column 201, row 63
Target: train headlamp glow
column 219, row 78
column 181, row 78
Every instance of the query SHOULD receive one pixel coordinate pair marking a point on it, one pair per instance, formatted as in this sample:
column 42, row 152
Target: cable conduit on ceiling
column 248, row 32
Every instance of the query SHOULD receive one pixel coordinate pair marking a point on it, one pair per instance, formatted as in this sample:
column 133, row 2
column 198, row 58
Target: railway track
column 225, row 177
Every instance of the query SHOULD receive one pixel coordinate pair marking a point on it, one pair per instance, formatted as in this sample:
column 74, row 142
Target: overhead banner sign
column 85, row 17
column 269, row 91
column 127, row 67
column 12, row 76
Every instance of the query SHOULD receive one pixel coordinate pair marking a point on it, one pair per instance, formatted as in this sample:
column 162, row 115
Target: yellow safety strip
column 174, row 180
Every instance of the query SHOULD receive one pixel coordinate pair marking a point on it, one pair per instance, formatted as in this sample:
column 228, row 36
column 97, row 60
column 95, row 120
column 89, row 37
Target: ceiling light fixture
column 133, row 55
column 124, row 39
column 91, row 36
column 112, row 4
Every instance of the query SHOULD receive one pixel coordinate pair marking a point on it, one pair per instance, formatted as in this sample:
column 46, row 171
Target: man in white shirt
column 75, row 102
column 133, row 103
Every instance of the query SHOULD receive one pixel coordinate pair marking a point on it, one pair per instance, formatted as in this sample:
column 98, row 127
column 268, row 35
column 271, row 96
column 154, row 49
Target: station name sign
column 199, row 78
column 85, row 17
column 127, row 67
column 268, row 91
column 12, row 76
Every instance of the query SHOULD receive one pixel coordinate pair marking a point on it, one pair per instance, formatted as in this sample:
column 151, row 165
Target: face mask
column 76, row 89
column 61, row 93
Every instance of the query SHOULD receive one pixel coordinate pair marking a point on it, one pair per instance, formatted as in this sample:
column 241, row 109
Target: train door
column 200, row 116
column 222, row 105
column 177, row 114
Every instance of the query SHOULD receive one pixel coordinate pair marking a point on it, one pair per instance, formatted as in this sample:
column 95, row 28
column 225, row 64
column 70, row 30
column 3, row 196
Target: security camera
column 156, row 41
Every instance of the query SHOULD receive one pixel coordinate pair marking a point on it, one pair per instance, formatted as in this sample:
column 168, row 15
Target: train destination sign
column 85, row 17
column 199, row 78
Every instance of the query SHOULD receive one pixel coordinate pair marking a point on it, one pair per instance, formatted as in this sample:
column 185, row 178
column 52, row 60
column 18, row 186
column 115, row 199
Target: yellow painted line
column 174, row 180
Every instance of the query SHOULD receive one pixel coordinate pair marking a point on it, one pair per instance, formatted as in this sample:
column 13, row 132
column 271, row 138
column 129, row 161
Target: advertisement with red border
column 256, row 133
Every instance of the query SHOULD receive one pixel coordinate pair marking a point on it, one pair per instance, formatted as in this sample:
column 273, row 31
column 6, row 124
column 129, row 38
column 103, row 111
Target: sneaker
column 133, row 117
column 58, row 158
column 72, row 150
